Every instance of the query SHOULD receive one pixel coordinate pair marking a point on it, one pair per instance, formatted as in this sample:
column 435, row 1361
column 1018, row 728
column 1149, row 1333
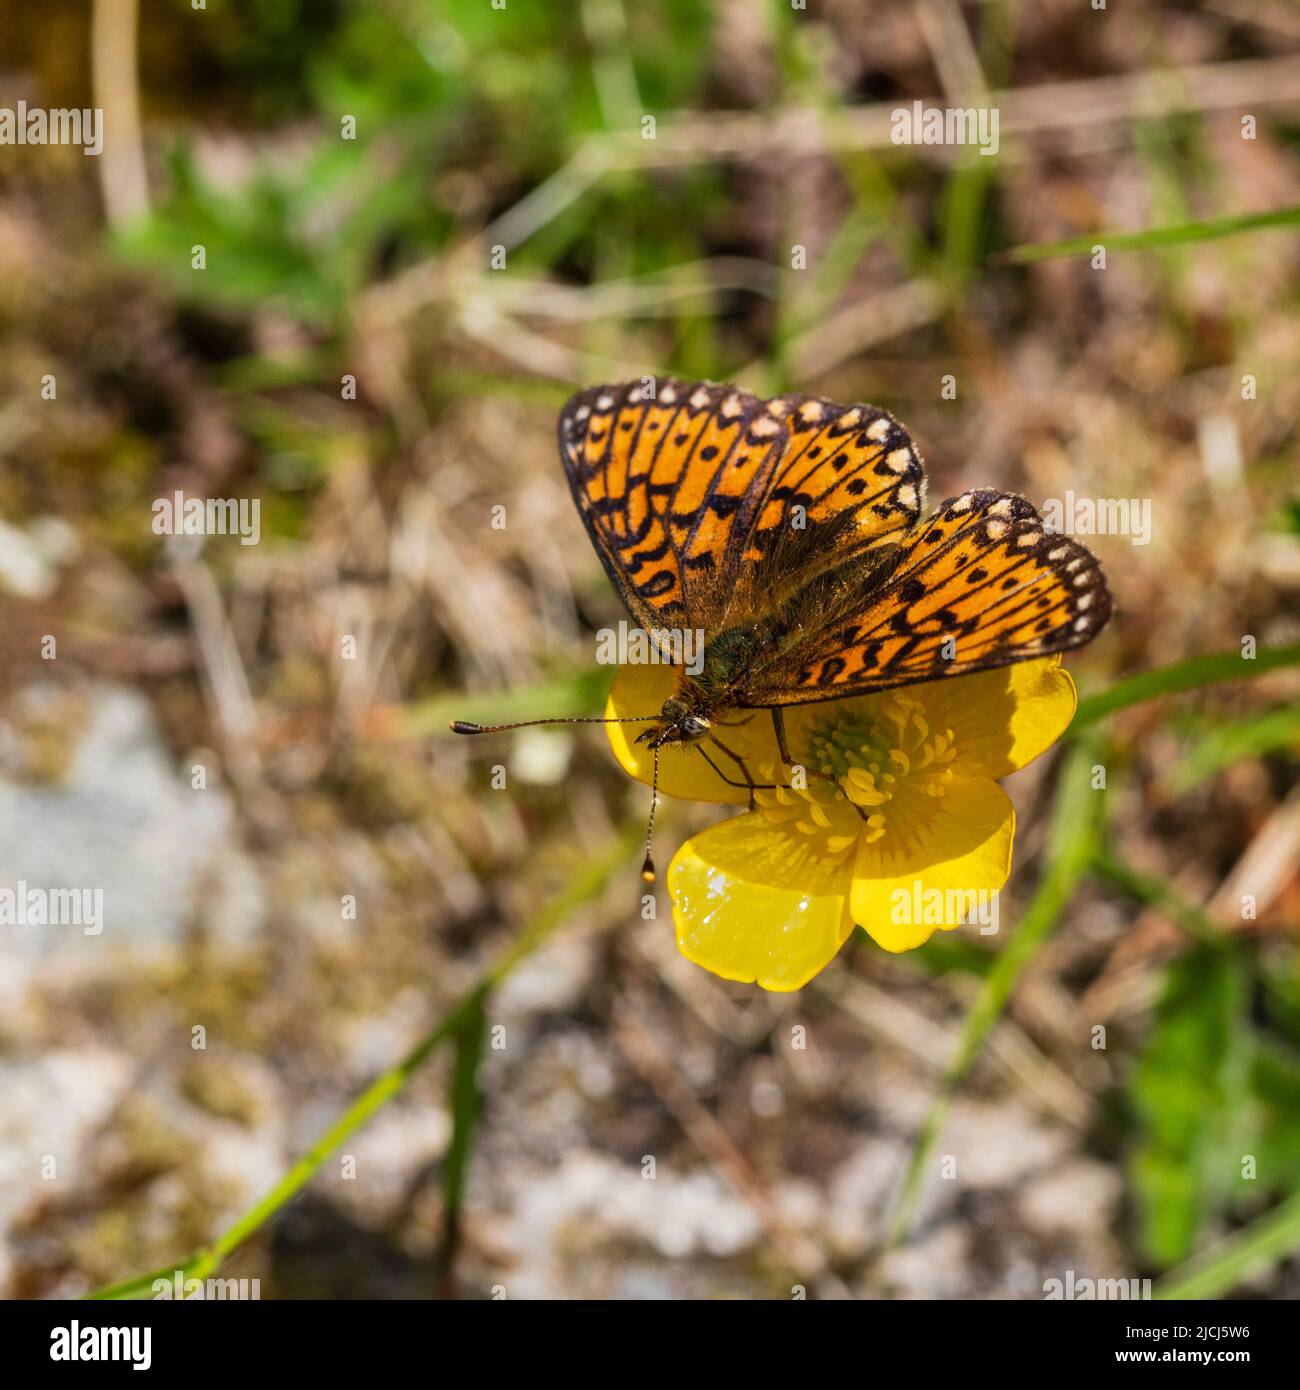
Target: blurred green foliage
column 1216, row 1102
column 1187, row 1093
column 326, row 215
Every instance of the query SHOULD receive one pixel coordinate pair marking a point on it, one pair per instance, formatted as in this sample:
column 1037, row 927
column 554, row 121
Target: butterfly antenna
column 648, row 868
column 463, row 726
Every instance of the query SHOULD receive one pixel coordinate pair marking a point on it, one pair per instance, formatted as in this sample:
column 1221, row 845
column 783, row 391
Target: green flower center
column 886, row 761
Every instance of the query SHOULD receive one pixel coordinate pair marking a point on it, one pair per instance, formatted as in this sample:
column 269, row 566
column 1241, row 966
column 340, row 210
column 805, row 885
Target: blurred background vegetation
column 455, row 209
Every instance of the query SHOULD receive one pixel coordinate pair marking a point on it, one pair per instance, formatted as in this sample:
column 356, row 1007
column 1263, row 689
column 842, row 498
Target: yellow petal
column 903, row 892
column 683, row 772
column 1001, row 719
column 751, row 902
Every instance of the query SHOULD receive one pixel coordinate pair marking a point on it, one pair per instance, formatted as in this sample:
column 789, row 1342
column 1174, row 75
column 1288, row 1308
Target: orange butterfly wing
column 982, row 584
column 706, row 503
column 711, row 508
column 665, row 484
column 854, row 475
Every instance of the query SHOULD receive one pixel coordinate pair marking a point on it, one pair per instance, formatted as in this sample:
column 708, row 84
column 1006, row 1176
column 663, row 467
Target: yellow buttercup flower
column 912, row 835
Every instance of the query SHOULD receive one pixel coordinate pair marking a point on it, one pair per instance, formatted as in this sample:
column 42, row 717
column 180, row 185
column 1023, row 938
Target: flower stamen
column 886, row 762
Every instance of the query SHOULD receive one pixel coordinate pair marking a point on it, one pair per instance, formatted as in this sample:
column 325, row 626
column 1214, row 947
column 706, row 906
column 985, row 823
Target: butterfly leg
column 749, row 784
column 778, row 726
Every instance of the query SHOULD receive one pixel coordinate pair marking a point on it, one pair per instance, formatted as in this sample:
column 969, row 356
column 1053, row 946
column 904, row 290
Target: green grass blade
column 1158, row 893
column 581, row 694
column 465, row 1104
column 1191, row 674
column 1180, row 1163
column 1219, row 1270
column 1153, row 237
column 142, row 1285
column 1070, row 849
column 1272, row 731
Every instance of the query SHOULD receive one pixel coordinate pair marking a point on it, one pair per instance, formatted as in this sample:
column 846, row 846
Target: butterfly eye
column 695, row 727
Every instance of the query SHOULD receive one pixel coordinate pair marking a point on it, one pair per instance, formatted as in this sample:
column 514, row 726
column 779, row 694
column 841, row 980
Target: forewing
column 850, row 480
column 708, row 505
column 669, row 484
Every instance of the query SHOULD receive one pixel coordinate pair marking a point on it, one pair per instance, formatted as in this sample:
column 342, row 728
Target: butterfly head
column 678, row 723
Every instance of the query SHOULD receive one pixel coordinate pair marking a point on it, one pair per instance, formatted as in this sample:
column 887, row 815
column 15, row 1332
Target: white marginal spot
column 811, row 410
column 1074, row 564
column 1080, row 624
column 907, row 495
column 1002, row 508
column 996, row 530
column 731, row 406
column 849, row 419
column 777, row 407
column 1083, row 601
column 877, row 429
column 604, row 402
column 962, row 504
column 668, row 395
column 764, row 428
column 1084, row 578
column 583, row 411
column 700, row 399
column 1028, row 538
column 1059, row 553
column 900, row 460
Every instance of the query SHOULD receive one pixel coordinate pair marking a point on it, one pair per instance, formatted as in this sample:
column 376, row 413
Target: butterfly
column 790, row 533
